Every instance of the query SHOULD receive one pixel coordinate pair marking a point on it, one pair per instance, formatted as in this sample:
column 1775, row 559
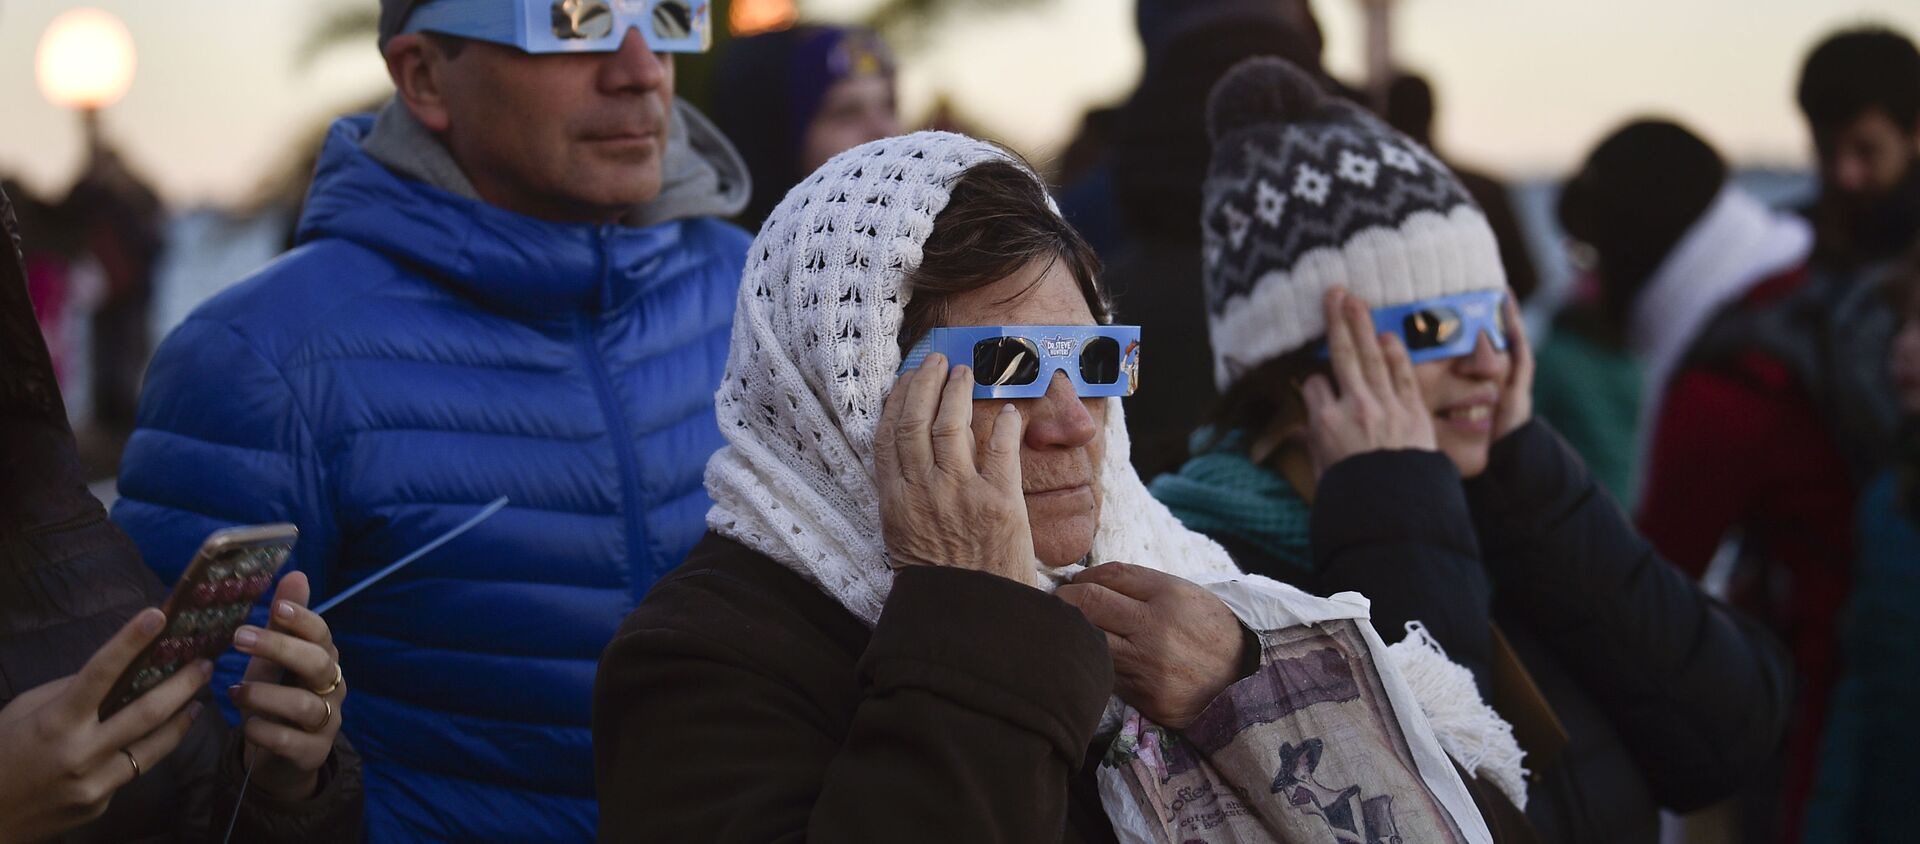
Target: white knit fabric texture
column 1472, row 733
column 813, row 357
column 1427, row 256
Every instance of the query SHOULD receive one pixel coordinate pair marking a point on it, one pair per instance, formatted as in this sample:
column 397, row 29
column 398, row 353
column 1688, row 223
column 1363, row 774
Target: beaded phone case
column 233, row 568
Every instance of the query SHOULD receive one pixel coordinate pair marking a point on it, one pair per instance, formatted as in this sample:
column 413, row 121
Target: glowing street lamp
column 85, row 60
column 752, row 17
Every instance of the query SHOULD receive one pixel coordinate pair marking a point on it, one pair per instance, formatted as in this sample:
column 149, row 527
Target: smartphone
column 233, row 568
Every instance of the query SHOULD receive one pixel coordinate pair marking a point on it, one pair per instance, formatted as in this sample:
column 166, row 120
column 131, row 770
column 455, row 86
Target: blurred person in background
column 1085, row 179
column 76, row 610
column 1860, row 93
column 1410, row 109
column 1637, row 195
column 1708, row 288
column 1158, row 160
column 119, row 220
column 1866, row 777
column 1405, row 462
column 792, row 99
column 514, row 280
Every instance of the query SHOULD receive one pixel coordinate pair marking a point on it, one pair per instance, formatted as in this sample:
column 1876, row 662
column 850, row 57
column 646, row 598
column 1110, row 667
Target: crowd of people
column 844, row 505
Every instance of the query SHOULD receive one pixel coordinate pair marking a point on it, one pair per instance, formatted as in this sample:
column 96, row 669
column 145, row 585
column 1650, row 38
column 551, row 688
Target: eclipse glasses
column 1018, row 361
column 570, row 26
column 1447, row 327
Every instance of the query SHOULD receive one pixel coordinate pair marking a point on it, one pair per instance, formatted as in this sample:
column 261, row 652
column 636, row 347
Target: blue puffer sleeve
column 221, row 441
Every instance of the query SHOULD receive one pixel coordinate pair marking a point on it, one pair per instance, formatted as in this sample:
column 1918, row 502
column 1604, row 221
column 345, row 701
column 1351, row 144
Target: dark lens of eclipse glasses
column 672, row 20
column 1430, row 328
column 1005, row 362
column 1100, row 361
column 581, row 19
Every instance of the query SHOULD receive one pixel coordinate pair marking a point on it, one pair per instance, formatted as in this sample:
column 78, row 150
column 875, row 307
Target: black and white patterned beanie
column 1306, row 191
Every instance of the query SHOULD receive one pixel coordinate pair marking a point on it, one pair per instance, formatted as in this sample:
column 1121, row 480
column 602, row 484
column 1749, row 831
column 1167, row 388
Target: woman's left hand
column 1516, row 396
column 1175, row 646
column 289, row 728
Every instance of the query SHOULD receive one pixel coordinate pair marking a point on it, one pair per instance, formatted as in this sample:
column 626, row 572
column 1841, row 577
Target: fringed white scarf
column 813, row 356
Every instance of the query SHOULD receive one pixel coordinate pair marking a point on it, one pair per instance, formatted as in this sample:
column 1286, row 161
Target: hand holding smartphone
column 232, row 569
column 63, row 763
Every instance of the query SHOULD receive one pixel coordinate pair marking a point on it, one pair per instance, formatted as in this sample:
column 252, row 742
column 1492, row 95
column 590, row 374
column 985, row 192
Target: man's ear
column 417, row 68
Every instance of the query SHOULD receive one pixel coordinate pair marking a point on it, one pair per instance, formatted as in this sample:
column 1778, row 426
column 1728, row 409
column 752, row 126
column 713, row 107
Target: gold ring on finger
column 132, row 761
column 334, row 686
column 325, row 718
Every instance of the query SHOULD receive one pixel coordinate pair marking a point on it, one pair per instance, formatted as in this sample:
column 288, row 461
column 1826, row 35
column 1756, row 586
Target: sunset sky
column 1525, row 85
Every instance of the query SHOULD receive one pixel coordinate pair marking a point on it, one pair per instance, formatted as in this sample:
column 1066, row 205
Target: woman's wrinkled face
column 1064, row 436
column 1464, row 395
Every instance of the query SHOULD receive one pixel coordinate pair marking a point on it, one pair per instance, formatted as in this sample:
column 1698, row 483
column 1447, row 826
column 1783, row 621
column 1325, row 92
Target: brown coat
column 739, row 703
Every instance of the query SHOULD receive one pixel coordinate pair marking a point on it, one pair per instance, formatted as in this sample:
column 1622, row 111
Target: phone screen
column 233, row 568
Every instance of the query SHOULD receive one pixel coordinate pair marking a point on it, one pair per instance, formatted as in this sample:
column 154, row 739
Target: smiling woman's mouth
column 1470, row 413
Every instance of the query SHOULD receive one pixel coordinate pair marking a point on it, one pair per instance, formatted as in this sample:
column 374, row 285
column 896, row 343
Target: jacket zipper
column 587, row 326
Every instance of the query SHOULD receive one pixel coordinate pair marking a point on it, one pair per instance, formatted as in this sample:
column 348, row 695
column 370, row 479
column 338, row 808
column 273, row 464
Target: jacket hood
column 386, row 184
column 62, row 563
column 41, row 480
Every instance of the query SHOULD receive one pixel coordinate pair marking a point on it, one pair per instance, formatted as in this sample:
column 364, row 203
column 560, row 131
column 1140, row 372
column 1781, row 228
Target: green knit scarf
column 1222, row 493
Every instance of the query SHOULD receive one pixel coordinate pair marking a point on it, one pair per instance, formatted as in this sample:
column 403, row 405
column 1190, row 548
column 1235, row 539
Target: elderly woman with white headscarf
column 869, row 645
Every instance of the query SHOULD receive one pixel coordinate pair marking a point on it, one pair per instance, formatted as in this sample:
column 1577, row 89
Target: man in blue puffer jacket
column 511, row 282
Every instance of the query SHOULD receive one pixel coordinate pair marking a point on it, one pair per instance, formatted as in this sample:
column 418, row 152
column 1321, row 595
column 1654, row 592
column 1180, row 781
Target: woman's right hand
column 940, row 503
column 1378, row 406
column 63, row 763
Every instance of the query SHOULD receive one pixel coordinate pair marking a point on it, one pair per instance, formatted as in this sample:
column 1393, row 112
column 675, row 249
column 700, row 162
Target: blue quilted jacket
column 417, row 355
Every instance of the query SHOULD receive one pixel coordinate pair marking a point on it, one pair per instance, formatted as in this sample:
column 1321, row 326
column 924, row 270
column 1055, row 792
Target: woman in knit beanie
column 1375, row 435
column 792, row 99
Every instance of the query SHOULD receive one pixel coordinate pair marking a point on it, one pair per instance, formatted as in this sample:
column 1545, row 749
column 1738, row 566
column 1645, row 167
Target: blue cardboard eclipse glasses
column 1447, row 327
column 1018, row 361
column 570, row 26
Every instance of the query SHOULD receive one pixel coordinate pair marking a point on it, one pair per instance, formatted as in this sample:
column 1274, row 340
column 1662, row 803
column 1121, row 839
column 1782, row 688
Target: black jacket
column 1669, row 699
column 69, row 580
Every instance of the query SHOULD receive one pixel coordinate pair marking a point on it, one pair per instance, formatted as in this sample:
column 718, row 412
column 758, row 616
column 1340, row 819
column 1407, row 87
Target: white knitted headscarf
column 815, row 347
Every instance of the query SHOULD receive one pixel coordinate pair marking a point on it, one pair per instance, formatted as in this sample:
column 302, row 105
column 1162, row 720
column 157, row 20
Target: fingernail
column 1008, row 408
column 936, row 359
column 958, row 373
column 284, row 609
column 234, row 689
column 193, row 710
column 246, row 637
column 151, row 621
column 205, row 667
